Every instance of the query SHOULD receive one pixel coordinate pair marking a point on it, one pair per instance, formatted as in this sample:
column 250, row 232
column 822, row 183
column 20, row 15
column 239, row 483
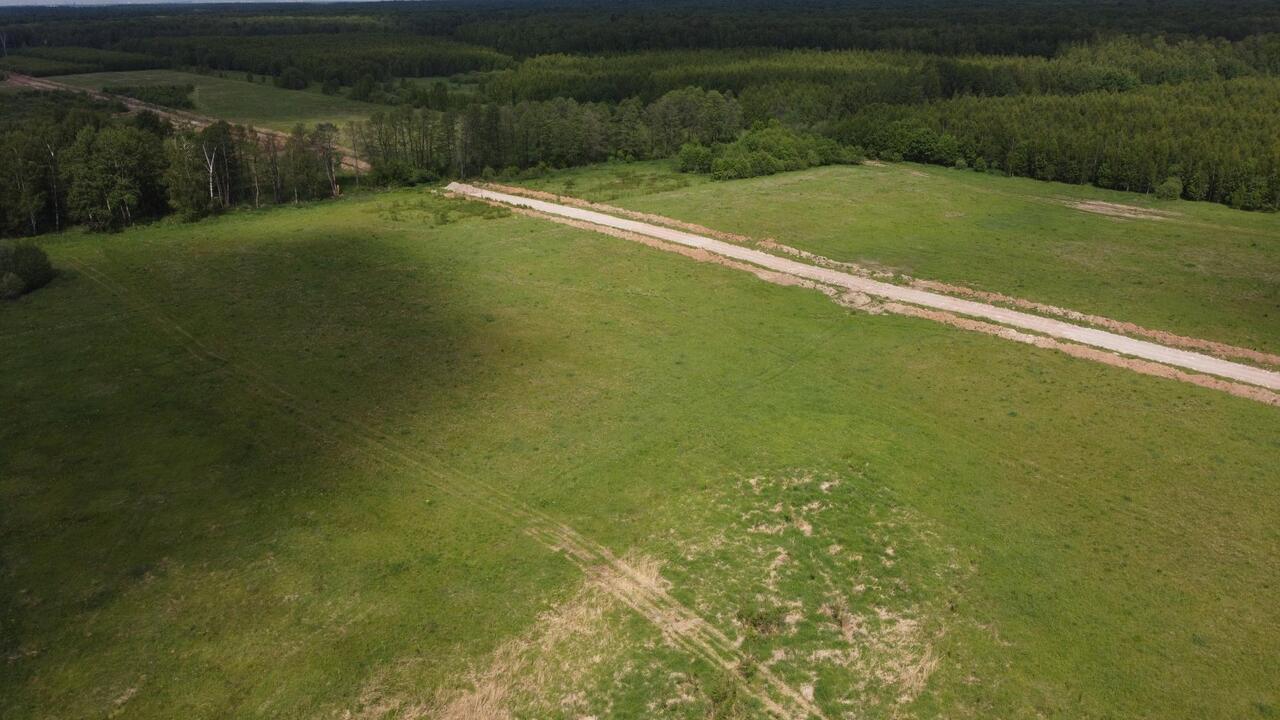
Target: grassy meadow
column 248, row 463
column 1198, row 269
column 239, row 101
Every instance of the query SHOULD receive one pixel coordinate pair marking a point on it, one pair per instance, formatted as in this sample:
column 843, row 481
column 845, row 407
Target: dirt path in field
column 1265, row 382
column 180, row 118
column 634, row 587
column 1162, row 337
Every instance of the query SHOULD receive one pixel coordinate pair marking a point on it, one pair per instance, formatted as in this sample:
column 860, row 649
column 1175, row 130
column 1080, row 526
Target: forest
column 69, row 160
column 1130, row 95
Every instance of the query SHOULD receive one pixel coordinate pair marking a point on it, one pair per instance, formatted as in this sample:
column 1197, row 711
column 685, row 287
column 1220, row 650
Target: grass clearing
column 1033, row 535
column 239, row 101
column 1193, row 268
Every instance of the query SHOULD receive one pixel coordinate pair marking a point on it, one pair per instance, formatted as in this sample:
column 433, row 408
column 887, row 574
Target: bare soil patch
column 1130, row 212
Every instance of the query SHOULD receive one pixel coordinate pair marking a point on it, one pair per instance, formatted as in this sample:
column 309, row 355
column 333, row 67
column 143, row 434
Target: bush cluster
column 766, row 149
column 23, row 267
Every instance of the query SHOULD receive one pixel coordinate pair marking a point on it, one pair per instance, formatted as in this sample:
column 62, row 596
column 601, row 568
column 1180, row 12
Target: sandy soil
column 1094, row 337
column 1130, row 212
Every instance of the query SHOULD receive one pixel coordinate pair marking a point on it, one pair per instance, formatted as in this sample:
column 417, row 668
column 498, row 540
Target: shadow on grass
column 181, row 500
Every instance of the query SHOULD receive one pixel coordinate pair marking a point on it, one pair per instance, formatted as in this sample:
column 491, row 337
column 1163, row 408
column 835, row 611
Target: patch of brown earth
column 543, row 670
column 810, row 607
column 1130, row 212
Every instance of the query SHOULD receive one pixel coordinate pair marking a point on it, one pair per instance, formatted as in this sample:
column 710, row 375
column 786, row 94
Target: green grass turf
column 238, row 101
column 1068, row 539
column 38, row 66
column 1207, row 271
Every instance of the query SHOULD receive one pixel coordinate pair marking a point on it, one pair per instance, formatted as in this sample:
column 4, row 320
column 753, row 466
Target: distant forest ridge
column 1024, row 27
column 1180, row 99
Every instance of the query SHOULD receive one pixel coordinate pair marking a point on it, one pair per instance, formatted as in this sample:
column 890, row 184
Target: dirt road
column 180, row 118
column 1012, row 318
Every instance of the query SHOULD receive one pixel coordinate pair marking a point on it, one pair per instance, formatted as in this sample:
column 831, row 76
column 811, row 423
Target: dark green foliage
column 44, row 61
column 1170, row 189
column 173, row 96
column 364, row 88
column 695, row 158
column 152, row 123
column 114, row 176
column 1217, row 137
column 555, row 133
column 222, row 166
column 1123, row 96
column 773, row 148
column 23, row 267
column 36, row 132
column 344, row 56
column 292, row 79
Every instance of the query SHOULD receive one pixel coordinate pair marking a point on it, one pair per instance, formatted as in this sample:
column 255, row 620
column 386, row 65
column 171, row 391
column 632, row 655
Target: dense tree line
column 405, row 144
column 43, row 61
column 1166, row 97
column 344, row 57
column 1216, row 138
column 532, row 27
column 65, row 161
column 855, row 78
column 944, row 27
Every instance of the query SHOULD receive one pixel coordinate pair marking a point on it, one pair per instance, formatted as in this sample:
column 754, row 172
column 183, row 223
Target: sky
column 91, row 3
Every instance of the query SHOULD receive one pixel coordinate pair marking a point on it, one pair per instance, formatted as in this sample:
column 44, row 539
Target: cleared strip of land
column 180, row 118
column 1054, row 328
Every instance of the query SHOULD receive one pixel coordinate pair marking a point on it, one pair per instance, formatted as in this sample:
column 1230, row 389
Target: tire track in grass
column 675, row 621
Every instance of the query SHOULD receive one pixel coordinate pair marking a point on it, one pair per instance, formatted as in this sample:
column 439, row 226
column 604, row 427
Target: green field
column 1200, row 269
column 237, row 101
column 266, row 465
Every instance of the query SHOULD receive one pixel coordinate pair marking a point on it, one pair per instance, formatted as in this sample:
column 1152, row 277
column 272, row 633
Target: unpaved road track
column 177, row 117
column 1024, row 321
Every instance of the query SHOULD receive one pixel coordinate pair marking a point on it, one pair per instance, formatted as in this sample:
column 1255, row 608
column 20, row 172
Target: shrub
column 961, row 164
column 23, row 267
column 767, row 149
column 11, row 286
column 695, row 158
column 292, row 79
column 1170, row 189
